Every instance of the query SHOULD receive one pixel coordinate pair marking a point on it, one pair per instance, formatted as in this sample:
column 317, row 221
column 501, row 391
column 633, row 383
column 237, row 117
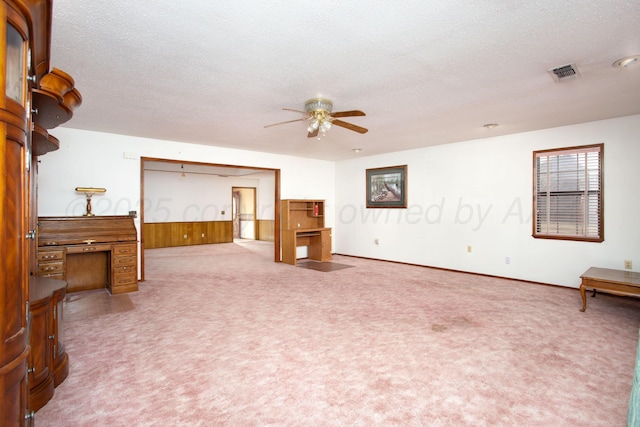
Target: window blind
column 568, row 193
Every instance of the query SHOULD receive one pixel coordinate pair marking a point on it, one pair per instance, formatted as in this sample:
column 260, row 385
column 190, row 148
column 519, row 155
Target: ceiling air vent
column 565, row 72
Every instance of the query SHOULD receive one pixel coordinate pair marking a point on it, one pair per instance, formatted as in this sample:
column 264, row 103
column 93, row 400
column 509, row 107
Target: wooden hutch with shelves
column 33, row 99
column 303, row 225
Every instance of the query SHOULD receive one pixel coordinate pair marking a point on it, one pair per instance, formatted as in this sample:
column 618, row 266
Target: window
column 567, row 194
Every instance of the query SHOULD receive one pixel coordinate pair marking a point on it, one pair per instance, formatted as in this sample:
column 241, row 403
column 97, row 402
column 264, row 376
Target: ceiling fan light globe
column 313, row 125
column 325, row 126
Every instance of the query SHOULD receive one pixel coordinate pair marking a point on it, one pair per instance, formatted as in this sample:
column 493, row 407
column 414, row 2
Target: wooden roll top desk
column 89, row 252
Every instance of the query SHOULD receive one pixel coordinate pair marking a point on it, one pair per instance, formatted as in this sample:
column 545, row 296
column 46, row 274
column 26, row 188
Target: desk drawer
column 50, row 268
column 122, row 269
column 124, row 278
column 124, row 261
column 49, row 255
column 124, row 282
column 125, row 249
column 87, row 248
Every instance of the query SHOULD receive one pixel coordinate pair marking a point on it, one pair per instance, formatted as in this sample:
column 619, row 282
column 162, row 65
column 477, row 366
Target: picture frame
column 387, row 187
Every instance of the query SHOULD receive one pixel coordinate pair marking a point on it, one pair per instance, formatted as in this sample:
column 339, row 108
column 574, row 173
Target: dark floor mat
column 322, row 266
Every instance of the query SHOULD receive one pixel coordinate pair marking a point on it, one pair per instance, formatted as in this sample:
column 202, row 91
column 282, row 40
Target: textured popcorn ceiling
column 425, row 72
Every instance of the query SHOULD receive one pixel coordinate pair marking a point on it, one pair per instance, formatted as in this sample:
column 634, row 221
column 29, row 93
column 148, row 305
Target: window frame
column 584, row 193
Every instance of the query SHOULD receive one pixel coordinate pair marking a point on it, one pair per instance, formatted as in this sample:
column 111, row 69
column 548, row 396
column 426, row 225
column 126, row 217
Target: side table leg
column 583, row 294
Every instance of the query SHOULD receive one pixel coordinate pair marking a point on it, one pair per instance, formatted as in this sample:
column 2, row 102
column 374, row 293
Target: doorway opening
column 243, row 207
column 269, row 195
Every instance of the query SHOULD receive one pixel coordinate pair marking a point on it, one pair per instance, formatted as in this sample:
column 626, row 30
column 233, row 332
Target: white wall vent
column 564, row 72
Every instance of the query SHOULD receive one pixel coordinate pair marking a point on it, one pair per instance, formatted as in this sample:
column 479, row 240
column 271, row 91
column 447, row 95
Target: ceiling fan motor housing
column 318, row 104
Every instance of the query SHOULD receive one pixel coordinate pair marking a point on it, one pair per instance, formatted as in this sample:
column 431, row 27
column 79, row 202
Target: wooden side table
column 618, row 282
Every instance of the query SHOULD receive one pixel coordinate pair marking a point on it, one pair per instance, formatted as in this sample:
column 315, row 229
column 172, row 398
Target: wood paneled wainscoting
column 168, row 234
column 266, row 230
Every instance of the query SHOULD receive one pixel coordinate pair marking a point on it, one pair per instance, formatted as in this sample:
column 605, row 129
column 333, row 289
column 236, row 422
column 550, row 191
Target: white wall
column 98, row 160
column 264, row 197
column 170, row 197
column 473, row 193
column 478, row 193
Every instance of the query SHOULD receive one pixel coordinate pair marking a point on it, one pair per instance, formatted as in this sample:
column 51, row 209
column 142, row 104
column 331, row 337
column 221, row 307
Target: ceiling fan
column 318, row 112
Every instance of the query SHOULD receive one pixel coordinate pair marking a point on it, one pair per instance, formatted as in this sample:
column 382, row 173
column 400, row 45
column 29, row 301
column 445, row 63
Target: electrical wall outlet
column 507, row 260
column 469, row 249
column 376, row 241
column 627, row 264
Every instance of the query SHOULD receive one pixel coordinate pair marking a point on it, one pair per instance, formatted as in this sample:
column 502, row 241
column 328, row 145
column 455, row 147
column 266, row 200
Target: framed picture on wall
column 387, row 187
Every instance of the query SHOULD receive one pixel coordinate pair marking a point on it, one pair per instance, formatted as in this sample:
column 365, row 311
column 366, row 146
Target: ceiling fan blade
column 349, row 126
column 350, row 113
column 313, row 134
column 288, row 121
column 296, row 111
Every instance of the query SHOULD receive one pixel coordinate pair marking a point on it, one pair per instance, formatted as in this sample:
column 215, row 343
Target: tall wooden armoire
column 25, row 37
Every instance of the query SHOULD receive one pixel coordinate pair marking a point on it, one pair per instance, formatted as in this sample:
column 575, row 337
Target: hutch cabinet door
column 14, row 193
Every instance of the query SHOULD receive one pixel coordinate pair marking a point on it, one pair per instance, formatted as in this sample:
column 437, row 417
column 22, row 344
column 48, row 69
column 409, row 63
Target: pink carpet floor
column 220, row 335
